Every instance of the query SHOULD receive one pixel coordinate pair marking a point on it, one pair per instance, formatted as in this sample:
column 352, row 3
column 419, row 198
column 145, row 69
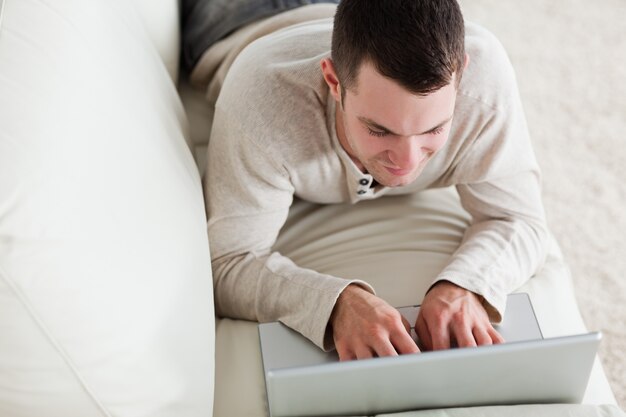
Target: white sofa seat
column 398, row 245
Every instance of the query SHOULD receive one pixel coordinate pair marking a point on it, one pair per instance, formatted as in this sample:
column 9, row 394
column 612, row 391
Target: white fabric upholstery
column 397, row 244
column 161, row 21
column 105, row 280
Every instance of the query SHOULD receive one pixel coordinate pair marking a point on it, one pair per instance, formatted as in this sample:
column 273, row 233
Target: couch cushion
column 397, row 244
column 161, row 20
column 105, row 280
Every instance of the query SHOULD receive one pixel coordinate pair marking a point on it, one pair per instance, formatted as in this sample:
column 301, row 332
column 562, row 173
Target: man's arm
column 497, row 256
column 498, row 181
column 248, row 195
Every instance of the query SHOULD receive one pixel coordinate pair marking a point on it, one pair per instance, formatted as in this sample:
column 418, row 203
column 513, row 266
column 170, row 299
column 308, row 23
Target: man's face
column 390, row 132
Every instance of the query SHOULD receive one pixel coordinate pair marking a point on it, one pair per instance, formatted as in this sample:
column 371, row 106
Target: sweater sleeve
column 498, row 181
column 248, row 195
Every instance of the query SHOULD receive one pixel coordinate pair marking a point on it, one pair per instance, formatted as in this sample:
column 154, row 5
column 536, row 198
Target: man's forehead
column 368, row 73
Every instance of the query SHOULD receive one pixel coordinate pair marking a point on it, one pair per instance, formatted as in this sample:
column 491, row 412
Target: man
column 393, row 97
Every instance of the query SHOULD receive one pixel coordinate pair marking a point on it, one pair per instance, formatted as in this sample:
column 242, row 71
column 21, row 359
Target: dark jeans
column 205, row 22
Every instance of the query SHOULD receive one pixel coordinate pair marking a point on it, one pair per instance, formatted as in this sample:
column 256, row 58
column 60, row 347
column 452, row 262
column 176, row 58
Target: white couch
column 106, row 304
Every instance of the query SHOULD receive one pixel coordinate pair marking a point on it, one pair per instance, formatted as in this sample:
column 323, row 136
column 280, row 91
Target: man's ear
column 330, row 76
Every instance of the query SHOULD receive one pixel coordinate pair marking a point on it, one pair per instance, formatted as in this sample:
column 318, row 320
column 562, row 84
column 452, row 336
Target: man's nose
column 406, row 153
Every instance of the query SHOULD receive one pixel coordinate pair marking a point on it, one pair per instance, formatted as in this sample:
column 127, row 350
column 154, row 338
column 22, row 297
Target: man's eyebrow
column 380, row 127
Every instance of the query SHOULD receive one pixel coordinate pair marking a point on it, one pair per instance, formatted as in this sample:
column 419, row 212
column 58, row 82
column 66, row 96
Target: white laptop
column 302, row 380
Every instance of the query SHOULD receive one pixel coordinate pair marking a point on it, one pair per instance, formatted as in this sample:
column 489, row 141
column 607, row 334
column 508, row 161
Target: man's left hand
column 451, row 314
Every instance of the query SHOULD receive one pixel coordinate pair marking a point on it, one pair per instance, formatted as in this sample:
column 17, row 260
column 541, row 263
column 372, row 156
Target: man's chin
column 398, row 183
column 395, row 181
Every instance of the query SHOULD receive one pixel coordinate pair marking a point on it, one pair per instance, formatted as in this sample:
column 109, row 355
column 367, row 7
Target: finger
column 462, row 334
column 406, row 324
column 495, row 336
column 423, row 335
column 363, row 352
column 385, row 348
column 439, row 333
column 403, row 342
column 482, row 336
column 345, row 354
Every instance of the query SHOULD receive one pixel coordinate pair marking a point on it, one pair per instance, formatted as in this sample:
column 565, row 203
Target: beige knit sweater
column 274, row 138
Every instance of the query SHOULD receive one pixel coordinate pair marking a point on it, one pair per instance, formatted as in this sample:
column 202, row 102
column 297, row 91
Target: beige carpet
column 570, row 59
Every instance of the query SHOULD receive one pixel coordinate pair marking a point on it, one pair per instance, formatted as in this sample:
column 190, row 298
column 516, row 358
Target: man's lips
column 398, row 171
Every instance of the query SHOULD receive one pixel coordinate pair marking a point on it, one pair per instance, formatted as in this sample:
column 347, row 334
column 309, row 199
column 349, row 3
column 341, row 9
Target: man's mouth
column 398, row 172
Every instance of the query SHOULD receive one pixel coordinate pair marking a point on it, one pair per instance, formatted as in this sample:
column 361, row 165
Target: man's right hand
column 365, row 326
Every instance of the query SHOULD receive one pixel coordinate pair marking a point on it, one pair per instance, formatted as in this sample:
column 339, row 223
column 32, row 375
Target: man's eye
column 376, row 133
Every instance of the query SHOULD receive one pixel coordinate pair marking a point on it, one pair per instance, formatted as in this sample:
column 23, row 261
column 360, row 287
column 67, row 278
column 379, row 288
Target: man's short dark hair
column 419, row 44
